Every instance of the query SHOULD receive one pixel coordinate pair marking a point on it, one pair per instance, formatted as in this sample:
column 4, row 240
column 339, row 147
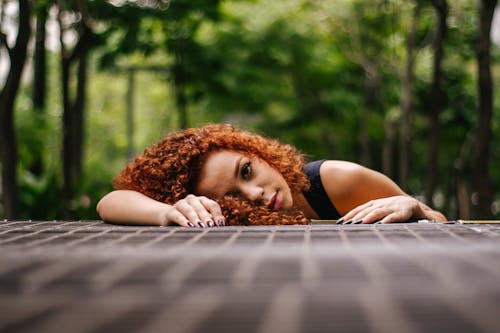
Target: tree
column 406, row 100
column 73, row 108
column 8, row 145
column 361, row 36
column 39, row 90
column 486, row 9
column 39, row 57
column 183, row 20
column 436, row 98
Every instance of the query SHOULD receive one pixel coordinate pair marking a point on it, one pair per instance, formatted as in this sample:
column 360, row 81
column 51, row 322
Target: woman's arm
column 134, row 208
column 362, row 194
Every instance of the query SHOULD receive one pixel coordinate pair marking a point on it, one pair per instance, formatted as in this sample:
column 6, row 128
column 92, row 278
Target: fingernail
column 358, row 222
column 190, row 225
column 340, row 220
column 221, row 222
column 210, row 223
column 201, row 224
column 347, row 222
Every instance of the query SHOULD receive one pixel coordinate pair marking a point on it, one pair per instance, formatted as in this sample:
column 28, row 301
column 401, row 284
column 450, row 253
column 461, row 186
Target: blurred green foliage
column 291, row 69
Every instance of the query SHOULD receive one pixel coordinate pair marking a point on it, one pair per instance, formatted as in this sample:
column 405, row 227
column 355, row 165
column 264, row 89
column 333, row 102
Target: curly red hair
column 168, row 170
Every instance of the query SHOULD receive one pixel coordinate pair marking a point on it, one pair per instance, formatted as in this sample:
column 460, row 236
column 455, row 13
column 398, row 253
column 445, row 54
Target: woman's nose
column 253, row 193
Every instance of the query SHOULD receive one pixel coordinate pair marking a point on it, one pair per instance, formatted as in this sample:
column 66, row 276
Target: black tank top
column 316, row 195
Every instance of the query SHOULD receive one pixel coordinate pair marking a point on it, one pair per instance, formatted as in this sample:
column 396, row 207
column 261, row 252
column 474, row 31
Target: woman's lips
column 275, row 202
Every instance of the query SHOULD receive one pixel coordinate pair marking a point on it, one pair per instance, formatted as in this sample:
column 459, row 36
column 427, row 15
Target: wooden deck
column 88, row 276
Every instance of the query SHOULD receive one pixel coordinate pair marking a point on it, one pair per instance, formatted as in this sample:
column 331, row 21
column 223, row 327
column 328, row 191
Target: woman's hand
column 399, row 208
column 133, row 208
column 193, row 211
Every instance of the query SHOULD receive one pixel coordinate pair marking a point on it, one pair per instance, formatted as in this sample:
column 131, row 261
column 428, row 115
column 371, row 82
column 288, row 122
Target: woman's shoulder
column 339, row 168
column 344, row 175
column 339, row 176
column 348, row 183
column 330, row 166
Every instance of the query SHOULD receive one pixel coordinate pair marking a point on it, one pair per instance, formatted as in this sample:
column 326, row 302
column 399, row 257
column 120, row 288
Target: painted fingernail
column 221, row 222
column 347, row 222
column 210, row 223
column 358, row 222
column 190, row 225
column 340, row 220
column 201, row 224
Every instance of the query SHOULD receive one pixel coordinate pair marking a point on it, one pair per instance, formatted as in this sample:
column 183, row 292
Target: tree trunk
column 73, row 131
column 67, row 136
column 370, row 89
column 436, row 101
column 78, row 114
column 485, row 90
column 387, row 149
column 406, row 102
column 130, row 114
column 39, row 81
column 461, row 181
column 73, row 111
column 8, row 144
column 39, row 61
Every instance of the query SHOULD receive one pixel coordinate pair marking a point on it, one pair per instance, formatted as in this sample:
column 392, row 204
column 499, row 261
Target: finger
column 371, row 214
column 355, row 212
column 395, row 217
column 173, row 216
column 214, row 210
column 358, row 217
column 199, row 204
column 189, row 212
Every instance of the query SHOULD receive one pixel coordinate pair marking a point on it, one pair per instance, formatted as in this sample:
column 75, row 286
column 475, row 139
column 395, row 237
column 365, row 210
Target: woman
column 219, row 174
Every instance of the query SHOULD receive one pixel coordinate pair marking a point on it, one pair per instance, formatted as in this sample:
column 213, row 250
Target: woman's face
column 227, row 172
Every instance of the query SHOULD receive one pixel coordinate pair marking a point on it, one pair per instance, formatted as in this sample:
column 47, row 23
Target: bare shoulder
column 340, row 177
column 349, row 184
column 341, row 166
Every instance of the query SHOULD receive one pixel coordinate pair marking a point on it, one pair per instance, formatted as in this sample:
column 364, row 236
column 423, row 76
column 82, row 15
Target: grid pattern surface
column 88, row 276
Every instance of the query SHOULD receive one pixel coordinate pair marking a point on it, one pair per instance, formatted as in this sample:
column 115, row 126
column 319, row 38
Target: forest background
column 403, row 87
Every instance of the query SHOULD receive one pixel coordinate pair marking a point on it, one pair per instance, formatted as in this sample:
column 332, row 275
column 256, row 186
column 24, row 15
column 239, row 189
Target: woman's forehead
column 218, row 172
column 220, row 156
column 225, row 155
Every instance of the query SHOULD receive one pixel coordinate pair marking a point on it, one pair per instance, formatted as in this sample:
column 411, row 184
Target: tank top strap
column 316, row 195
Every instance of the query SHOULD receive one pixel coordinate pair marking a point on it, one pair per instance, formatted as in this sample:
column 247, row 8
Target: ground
column 88, row 276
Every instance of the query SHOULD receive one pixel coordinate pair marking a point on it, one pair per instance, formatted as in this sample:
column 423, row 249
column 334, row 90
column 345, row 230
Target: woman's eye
column 246, row 170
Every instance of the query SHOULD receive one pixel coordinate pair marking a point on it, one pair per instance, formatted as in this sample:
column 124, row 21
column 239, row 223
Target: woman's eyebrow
column 237, row 166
